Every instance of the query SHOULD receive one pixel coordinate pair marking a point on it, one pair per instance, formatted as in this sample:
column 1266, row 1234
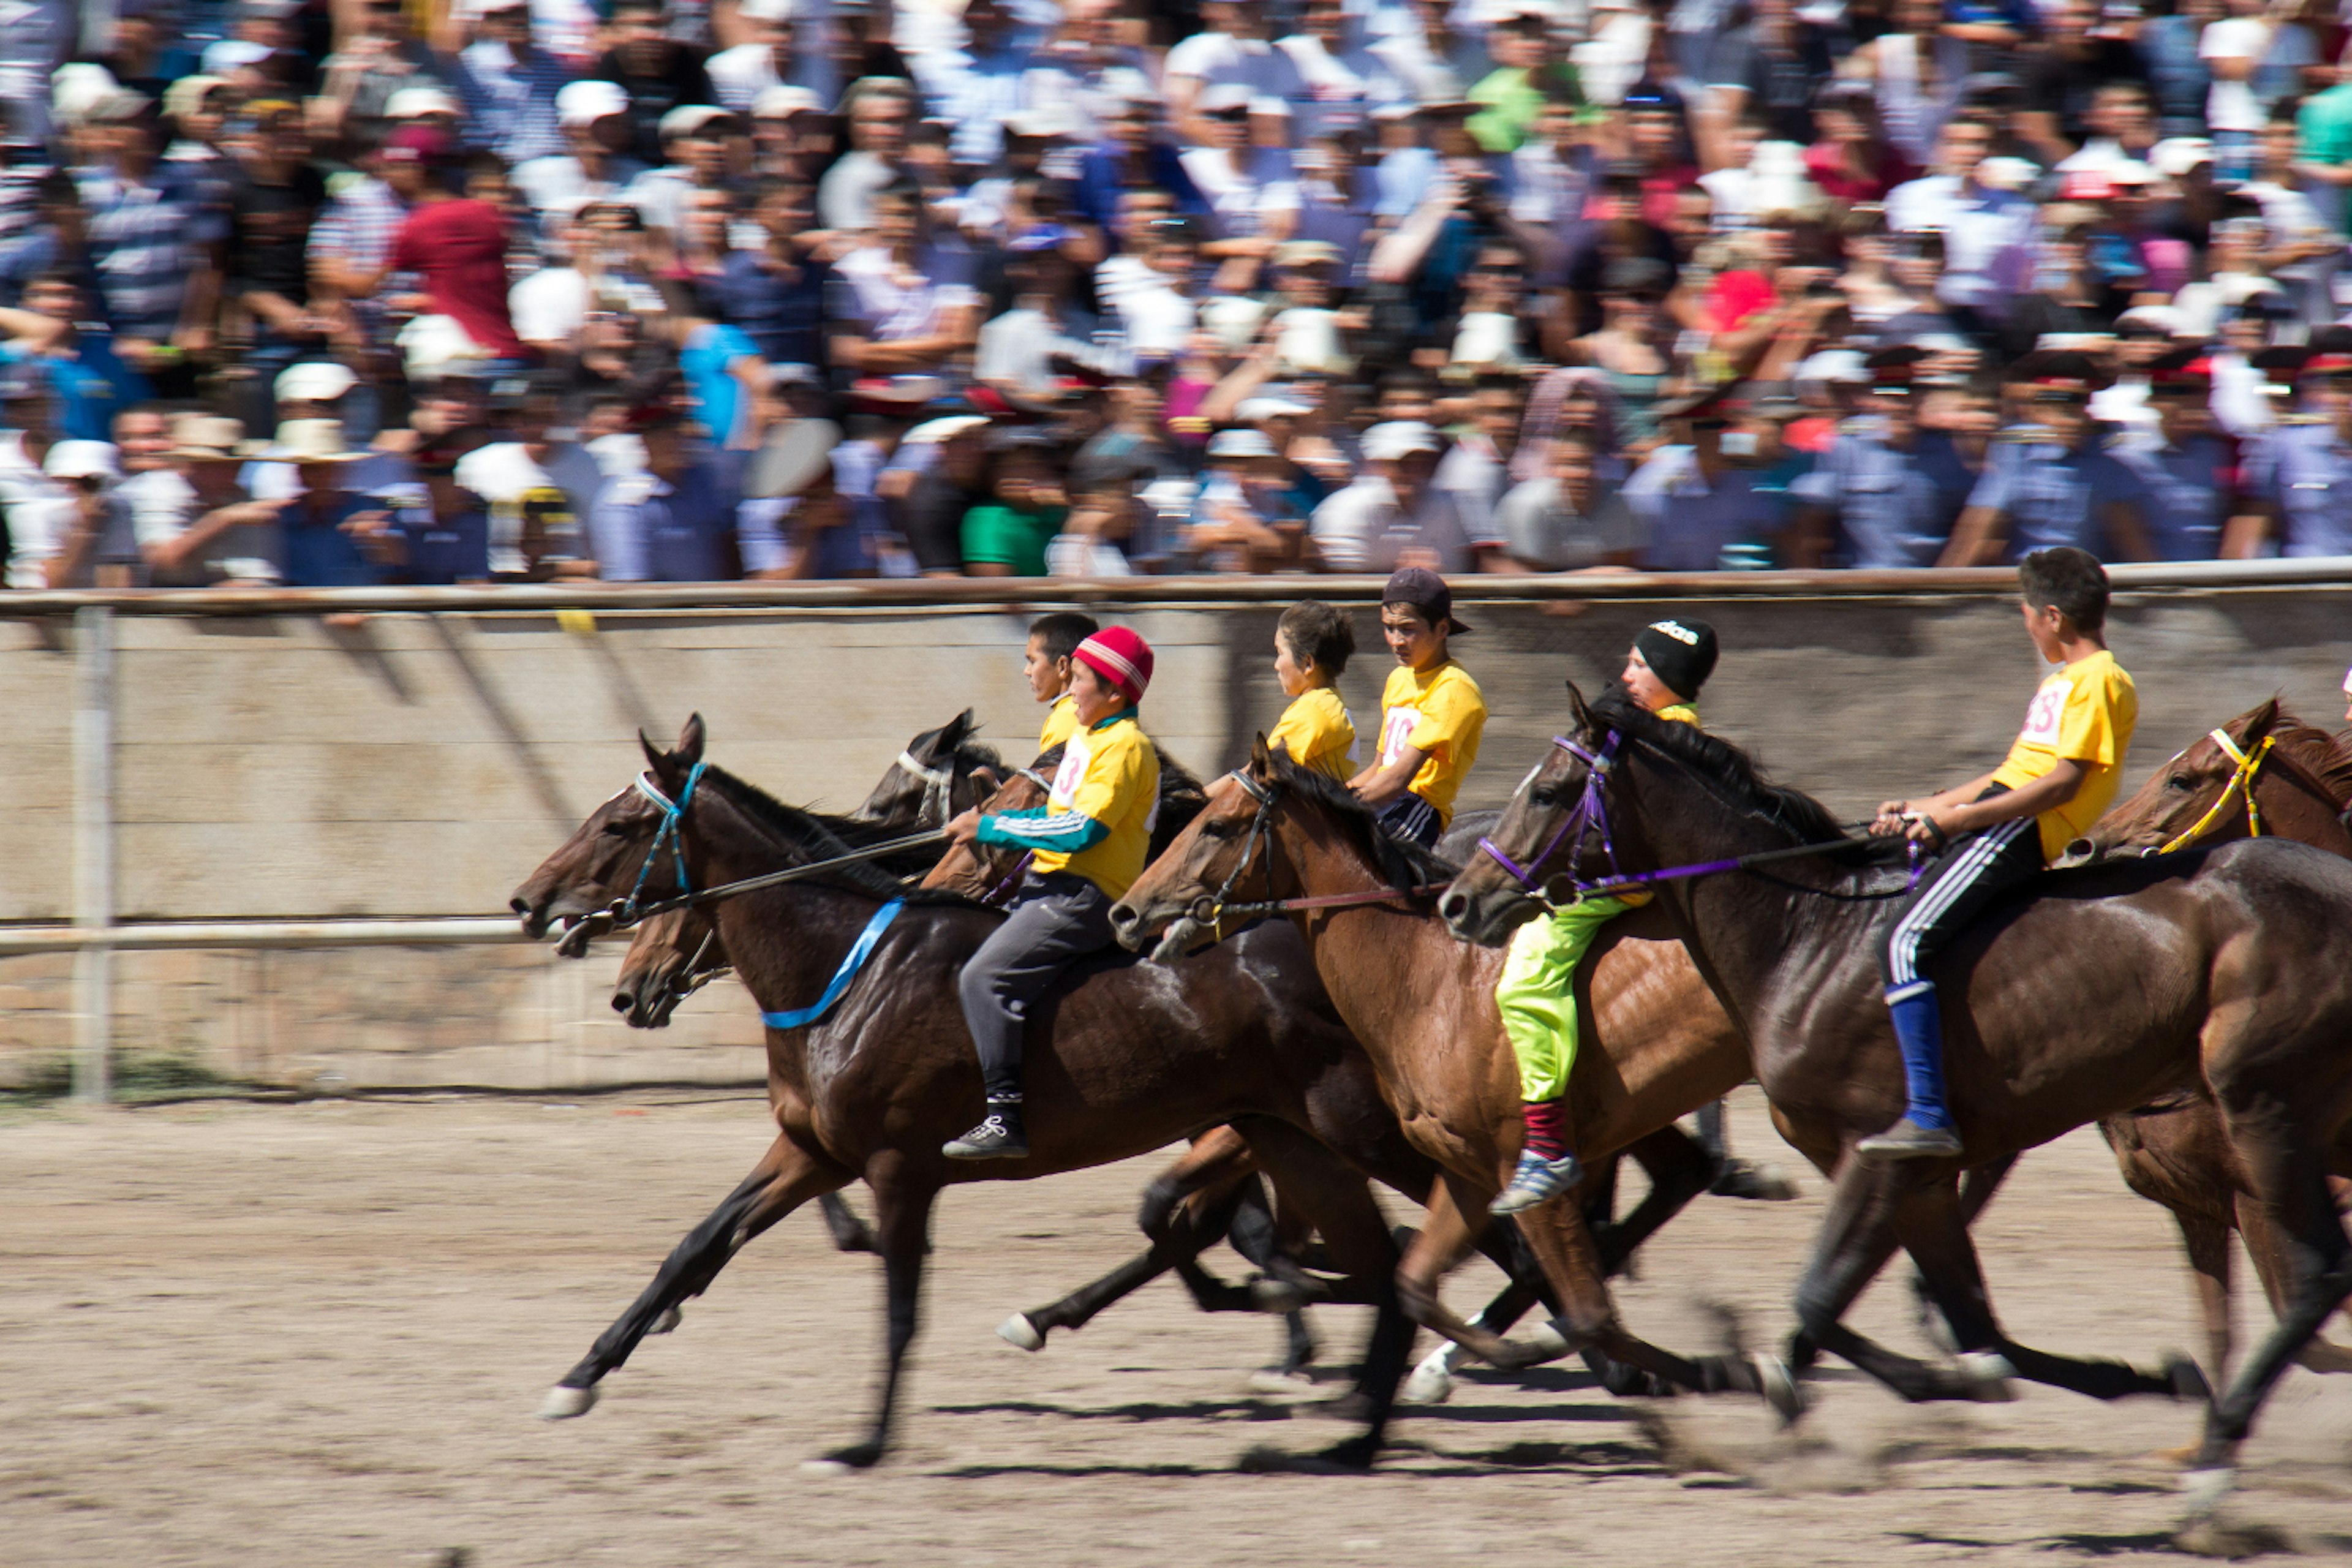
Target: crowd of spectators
column 335, row 292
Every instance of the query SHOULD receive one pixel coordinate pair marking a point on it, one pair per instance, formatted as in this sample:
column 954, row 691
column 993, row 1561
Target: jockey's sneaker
column 998, row 1137
column 1536, row 1180
column 1906, row 1140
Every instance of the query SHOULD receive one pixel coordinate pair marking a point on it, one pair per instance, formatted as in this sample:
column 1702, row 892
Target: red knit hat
column 1119, row 657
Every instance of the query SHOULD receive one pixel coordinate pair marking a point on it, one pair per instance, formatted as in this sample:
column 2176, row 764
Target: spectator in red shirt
column 1853, row 160
column 458, row 245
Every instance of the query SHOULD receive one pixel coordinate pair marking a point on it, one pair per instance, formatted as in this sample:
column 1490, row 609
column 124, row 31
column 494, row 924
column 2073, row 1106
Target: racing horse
column 869, row 1079
column 1424, row 1005
column 2232, row 964
column 1218, row 1171
column 2263, row 772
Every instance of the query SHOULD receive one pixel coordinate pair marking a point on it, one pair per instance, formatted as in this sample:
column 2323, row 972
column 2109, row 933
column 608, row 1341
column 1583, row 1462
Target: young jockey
column 1047, row 666
column 1312, row 645
column 1089, row 842
column 1431, row 712
column 1670, row 661
column 1992, row 833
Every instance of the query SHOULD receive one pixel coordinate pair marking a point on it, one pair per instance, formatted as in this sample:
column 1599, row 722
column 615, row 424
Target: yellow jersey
column 1096, row 819
column 1061, row 723
column 2085, row 713
column 1440, row 712
column 1317, row 732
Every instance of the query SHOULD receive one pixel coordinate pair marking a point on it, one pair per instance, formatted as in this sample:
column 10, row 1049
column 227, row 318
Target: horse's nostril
column 623, row 1001
column 519, row 904
column 1454, row 905
column 1122, row 918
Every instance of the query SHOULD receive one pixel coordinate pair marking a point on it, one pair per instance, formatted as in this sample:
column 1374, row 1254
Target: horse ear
column 2260, row 722
column 964, row 728
column 1261, row 759
column 690, row 743
column 1577, row 705
column 654, row 756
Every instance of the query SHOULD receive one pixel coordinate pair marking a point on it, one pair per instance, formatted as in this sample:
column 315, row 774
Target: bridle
column 673, row 813
column 1209, row 909
column 1590, row 814
column 2249, row 761
column 939, row 788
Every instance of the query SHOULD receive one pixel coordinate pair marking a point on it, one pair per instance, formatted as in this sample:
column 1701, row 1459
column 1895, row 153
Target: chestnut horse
column 1424, row 1005
column 2176, row 1152
column 2233, row 963
column 1124, row 1058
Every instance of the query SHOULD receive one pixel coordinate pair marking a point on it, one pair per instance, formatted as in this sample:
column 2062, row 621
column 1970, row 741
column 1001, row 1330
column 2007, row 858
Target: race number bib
column 2042, row 718
column 1397, row 726
column 1075, row 757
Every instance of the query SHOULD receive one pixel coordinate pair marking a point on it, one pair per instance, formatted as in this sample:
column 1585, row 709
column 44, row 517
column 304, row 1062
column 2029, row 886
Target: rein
column 1591, row 815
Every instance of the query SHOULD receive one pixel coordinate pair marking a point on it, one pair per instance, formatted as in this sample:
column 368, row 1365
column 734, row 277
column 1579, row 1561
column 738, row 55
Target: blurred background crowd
column 335, row 292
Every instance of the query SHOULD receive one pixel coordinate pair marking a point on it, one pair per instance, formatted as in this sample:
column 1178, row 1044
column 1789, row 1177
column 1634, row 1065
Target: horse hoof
column 1988, row 1376
column 1274, row 1380
column 1778, row 1387
column 1019, row 1333
column 2187, row 1380
column 2201, row 1491
column 670, row 1318
column 1352, row 1457
column 1432, row 1383
column 841, row 1461
column 564, row 1402
column 1275, row 1296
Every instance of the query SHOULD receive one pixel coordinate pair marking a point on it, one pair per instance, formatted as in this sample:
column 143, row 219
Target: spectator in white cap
column 193, row 523
column 506, row 82
column 81, row 538
column 1243, row 519
column 771, row 55
column 880, row 112
column 792, row 134
column 594, row 118
column 1391, row 515
column 693, row 138
column 1252, row 194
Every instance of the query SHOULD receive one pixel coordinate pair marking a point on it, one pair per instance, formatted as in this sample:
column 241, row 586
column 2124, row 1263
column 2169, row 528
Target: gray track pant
column 1054, row 921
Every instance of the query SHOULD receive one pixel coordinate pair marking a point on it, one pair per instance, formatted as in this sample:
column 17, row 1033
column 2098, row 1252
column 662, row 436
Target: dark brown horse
column 2233, row 963
column 2176, row 1152
column 1124, row 1059
column 1424, row 1005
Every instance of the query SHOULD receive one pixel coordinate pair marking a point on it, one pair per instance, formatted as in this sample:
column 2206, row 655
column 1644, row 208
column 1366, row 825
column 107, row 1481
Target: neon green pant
column 1538, row 993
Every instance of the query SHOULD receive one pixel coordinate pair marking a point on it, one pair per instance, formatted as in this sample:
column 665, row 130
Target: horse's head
column 672, row 955
column 1541, row 837
column 611, row 854
column 940, row 773
column 1228, row 851
column 2261, row 766
column 984, row 872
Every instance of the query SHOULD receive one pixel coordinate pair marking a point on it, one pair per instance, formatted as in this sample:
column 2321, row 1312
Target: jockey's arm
column 1377, row 786
column 1958, row 811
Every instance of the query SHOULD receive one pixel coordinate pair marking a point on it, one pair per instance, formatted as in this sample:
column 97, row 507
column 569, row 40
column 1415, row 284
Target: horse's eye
column 1215, row 828
column 2180, row 782
column 1545, row 795
column 617, row 829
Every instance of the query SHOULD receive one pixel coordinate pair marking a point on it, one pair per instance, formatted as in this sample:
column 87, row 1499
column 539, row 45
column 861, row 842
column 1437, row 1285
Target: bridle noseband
column 1590, row 814
column 673, row 813
column 2250, row 763
column 1209, row 909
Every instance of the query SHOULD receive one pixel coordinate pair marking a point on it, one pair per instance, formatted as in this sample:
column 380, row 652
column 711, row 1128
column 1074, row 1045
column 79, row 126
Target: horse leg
column 1679, row 1170
column 1432, row 1382
column 2206, row 1240
column 902, row 1218
column 1856, row 1238
column 1184, row 1238
column 1562, row 1244
column 1341, row 1204
column 1927, row 1220
column 850, row 1233
column 2267, row 1250
column 787, row 1176
column 2316, row 1279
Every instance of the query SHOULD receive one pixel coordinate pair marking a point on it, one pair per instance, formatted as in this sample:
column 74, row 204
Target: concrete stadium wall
column 419, row 763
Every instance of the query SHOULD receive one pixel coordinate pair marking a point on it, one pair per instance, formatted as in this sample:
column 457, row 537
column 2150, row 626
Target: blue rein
column 859, row 952
column 673, row 813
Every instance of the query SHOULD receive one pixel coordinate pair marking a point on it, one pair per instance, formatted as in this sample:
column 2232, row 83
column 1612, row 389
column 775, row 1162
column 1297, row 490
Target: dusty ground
column 316, row 1334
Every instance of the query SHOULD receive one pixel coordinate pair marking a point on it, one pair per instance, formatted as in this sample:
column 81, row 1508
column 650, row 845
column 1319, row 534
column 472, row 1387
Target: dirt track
column 316, row 1334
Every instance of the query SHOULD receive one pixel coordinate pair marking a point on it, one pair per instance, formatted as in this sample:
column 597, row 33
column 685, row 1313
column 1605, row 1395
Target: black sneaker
column 998, row 1137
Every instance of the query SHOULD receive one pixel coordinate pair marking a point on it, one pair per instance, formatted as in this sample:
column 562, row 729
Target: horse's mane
column 1732, row 771
column 2327, row 754
column 980, row 754
column 819, row 836
column 1404, row 867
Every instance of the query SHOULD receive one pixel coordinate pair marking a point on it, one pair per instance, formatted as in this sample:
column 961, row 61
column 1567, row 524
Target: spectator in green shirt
column 1512, row 95
column 2324, row 137
column 1006, row 537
